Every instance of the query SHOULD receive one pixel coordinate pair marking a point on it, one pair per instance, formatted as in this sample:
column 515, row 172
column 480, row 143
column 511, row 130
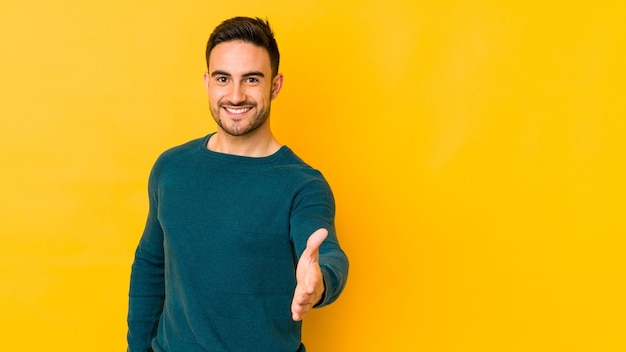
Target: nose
column 237, row 94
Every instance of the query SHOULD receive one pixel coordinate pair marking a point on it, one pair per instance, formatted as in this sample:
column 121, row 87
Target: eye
column 251, row 80
column 221, row 79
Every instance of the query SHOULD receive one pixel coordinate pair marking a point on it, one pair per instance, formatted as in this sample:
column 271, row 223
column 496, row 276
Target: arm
column 322, row 267
column 147, row 282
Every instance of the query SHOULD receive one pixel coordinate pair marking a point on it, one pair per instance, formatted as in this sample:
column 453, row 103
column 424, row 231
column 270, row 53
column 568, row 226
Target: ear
column 207, row 77
column 277, row 84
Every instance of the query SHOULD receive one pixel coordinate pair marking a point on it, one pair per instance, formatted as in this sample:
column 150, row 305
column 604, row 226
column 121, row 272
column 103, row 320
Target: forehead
column 239, row 57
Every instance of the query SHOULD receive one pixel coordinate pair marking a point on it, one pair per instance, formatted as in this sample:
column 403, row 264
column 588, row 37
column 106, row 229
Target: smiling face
column 241, row 87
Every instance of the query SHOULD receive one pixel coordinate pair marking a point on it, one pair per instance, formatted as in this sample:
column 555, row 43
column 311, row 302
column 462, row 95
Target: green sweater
column 215, row 267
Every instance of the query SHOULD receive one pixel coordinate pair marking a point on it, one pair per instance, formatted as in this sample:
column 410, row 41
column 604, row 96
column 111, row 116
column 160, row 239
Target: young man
column 240, row 240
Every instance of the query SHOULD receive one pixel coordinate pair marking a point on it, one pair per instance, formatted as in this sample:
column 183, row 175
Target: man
column 240, row 240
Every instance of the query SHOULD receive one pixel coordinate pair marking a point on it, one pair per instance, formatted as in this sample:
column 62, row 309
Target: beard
column 242, row 127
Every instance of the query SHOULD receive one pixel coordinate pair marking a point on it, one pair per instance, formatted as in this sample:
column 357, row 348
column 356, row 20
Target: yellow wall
column 476, row 149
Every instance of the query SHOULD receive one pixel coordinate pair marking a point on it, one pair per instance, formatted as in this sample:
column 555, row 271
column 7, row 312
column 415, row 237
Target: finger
column 300, row 310
column 297, row 312
column 301, row 300
column 315, row 240
column 299, row 316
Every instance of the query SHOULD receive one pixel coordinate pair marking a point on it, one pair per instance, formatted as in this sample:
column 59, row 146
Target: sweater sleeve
column 314, row 208
column 147, row 282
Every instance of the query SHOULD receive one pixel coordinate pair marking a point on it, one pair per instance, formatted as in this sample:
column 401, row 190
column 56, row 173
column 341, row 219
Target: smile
column 237, row 111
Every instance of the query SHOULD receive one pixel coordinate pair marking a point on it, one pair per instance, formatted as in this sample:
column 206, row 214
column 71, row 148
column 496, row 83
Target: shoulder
column 189, row 147
column 291, row 163
column 301, row 174
column 178, row 153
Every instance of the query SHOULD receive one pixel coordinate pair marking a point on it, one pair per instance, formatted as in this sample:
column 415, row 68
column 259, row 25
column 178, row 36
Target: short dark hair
column 252, row 30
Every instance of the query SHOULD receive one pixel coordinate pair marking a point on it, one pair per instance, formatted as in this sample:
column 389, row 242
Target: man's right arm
column 147, row 281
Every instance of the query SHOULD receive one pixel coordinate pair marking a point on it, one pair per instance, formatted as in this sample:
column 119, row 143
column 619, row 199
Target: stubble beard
column 239, row 129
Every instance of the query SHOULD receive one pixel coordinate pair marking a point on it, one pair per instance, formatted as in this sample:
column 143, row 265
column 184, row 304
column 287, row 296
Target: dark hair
column 252, row 30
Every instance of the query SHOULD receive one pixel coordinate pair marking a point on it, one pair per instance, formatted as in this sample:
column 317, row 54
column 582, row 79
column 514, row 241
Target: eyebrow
column 248, row 74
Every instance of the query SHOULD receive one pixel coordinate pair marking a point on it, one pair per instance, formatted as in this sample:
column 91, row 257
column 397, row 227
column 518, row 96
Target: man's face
column 240, row 86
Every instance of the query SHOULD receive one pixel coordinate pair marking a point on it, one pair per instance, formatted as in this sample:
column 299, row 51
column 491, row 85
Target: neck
column 255, row 146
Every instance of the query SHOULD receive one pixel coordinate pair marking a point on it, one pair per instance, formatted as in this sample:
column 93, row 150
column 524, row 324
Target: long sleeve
column 147, row 283
column 334, row 267
column 314, row 208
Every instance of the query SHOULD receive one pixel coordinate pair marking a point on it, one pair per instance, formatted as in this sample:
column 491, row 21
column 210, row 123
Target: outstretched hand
column 309, row 280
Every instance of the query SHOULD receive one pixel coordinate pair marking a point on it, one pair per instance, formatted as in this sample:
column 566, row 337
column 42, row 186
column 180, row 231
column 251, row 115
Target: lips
column 237, row 111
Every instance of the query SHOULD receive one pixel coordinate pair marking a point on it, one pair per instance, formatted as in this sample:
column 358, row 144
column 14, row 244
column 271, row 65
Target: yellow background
column 476, row 150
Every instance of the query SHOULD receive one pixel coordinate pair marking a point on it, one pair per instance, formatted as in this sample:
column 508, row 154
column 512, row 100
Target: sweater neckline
column 202, row 147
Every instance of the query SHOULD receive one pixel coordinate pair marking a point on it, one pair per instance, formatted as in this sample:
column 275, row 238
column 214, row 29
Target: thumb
column 315, row 240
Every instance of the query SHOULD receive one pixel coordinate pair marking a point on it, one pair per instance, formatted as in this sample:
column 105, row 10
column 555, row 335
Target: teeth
column 237, row 111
